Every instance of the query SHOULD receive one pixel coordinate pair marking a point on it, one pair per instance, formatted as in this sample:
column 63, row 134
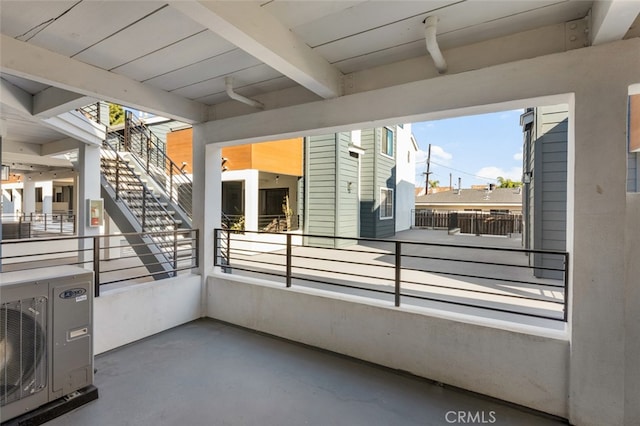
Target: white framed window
column 386, row 146
column 386, row 203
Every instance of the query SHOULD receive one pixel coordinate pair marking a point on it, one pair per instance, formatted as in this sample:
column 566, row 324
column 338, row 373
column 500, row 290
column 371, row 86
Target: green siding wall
column 378, row 171
column 550, row 186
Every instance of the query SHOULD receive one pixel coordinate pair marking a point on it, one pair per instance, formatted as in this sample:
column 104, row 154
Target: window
column 386, row 203
column 387, row 142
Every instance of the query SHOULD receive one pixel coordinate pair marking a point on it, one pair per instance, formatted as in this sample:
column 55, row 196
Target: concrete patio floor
column 209, row 373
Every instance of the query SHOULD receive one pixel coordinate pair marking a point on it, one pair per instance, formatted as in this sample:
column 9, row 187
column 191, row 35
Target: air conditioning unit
column 46, row 340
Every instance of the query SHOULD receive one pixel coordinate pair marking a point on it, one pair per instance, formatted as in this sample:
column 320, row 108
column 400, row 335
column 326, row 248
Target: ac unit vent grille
column 23, row 348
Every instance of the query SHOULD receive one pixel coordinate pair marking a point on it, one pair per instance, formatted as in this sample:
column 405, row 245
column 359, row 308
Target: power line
column 462, row 171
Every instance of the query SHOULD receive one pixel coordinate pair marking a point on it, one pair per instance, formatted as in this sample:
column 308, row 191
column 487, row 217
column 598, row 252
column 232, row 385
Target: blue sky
column 476, row 148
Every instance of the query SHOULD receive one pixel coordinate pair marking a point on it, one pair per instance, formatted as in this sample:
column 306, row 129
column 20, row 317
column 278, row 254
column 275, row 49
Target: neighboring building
column 500, row 200
column 257, row 179
column 407, row 148
column 545, row 183
column 350, row 185
column 360, row 183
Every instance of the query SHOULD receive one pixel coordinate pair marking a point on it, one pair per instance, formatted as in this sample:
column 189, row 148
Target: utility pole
column 450, row 182
column 428, row 172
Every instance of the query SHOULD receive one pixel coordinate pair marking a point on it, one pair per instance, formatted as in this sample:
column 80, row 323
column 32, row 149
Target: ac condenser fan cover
column 22, row 346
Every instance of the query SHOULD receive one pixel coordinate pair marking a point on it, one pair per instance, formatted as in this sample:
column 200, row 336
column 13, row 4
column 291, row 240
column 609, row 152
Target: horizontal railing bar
column 151, row 274
column 511, row 265
column 41, row 267
column 342, row 285
column 46, row 254
column 469, row 305
column 455, row 274
column 423, row 243
column 350, row 262
column 349, row 274
column 481, row 292
column 139, row 266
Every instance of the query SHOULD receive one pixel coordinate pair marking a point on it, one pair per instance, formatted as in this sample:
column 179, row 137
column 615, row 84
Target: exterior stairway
column 135, row 208
column 146, row 194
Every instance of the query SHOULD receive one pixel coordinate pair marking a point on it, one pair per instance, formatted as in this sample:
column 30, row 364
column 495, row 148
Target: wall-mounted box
column 95, row 213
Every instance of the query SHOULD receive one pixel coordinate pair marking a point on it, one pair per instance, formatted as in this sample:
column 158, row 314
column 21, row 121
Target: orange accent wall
column 179, row 148
column 281, row 156
column 634, row 124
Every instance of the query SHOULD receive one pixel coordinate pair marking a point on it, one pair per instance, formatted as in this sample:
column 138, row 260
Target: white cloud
column 518, row 156
column 492, row 172
column 438, row 154
column 421, row 157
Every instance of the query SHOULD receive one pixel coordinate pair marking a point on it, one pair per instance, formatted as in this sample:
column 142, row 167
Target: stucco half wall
column 137, row 311
column 523, row 368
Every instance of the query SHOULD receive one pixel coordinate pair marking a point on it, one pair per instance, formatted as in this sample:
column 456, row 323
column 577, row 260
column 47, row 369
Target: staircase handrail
column 145, row 188
column 176, row 174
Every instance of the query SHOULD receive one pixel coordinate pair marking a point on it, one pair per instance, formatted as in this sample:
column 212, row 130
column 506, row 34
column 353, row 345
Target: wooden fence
column 478, row 223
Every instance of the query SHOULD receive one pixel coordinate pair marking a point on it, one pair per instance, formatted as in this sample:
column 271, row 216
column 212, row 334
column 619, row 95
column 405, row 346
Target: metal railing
column 149, row 151
column 147, row 208
column 92, row 112
column 425, row 274
column 266, row 223
column 277, row 223
column 113, row 260
column 33, row 225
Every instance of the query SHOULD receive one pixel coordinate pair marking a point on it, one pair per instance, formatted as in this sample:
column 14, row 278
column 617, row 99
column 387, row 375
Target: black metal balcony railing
column 33, row 225
column 109, row 256
column 267, row 223
column 415, row 273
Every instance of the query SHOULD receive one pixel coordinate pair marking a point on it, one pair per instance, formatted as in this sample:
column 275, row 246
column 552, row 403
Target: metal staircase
column 146, row 194
column 149, row 153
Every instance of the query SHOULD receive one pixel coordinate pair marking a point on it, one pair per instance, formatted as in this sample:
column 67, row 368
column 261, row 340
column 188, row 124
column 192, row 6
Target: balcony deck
column 210, row 373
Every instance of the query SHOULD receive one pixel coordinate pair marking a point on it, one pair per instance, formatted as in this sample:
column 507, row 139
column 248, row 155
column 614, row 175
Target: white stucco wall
column 137, row 311
column 632, row 311
column 405, row 177
column 481, row 358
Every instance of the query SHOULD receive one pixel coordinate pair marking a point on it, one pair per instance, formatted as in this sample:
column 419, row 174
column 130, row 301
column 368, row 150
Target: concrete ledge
column 131, row 313
column 526, row 369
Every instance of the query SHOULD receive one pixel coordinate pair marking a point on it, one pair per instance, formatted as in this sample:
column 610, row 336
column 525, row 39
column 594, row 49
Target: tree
column 434, row 183
column 116, row 114
column 507, row 183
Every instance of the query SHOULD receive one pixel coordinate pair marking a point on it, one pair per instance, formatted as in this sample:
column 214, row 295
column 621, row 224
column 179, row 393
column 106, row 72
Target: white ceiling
column 182, row 51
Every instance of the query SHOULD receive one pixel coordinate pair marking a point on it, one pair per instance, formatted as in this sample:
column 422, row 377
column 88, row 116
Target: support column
column 207, row 201
column 29, row 196
column 596, row 238
column 47, row 197
column 89, row 188
column 16, row 196
column 251, row 190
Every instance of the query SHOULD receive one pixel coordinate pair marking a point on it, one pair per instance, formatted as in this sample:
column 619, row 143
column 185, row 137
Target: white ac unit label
column 81, row 298
column 77, row 333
